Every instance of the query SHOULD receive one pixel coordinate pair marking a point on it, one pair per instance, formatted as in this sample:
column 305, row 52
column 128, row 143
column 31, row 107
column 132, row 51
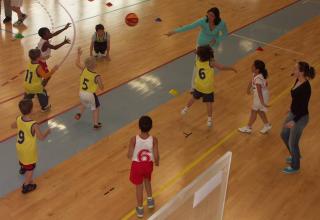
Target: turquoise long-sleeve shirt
column 206, row 35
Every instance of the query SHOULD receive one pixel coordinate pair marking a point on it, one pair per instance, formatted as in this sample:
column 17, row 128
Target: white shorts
column 90, row 100
column 16, row 3
column 257, row 106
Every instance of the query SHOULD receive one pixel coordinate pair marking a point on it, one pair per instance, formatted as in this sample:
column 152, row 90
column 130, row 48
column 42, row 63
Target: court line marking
column 198, row 160
column 267, row 44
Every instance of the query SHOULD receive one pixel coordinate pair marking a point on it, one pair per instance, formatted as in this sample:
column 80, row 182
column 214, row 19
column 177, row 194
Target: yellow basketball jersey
column 32, row 82
column 26, row 142
column 204, row 77
column 88, row 81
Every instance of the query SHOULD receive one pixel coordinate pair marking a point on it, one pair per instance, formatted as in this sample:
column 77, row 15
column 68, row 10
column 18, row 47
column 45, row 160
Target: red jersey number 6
column 144, row 156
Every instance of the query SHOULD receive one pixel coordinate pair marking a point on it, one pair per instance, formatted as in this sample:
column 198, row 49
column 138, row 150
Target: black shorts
column 96, row 100
column 205, row 97
column 100, row 47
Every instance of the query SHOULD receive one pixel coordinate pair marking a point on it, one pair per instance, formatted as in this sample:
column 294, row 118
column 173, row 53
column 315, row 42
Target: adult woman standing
column 213, row 31
column 298, row 115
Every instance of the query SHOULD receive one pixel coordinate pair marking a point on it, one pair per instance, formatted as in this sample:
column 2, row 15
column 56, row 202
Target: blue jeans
column 291, row 138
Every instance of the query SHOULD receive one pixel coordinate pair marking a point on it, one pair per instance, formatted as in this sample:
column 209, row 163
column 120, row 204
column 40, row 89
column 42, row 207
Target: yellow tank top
column 32, row 82
column 204, row 77
column 88, row 82
column 26, row 142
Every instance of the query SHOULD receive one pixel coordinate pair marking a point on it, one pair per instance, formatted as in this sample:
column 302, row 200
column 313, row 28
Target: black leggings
column 42, row 97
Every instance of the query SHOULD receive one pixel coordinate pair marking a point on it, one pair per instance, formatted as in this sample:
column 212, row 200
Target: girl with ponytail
column 258, row 86
column 298, row 116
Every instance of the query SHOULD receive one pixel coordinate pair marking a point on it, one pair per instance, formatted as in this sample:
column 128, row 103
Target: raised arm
column 60, row 31
column 78, row 59
column 55, row 47
column 186, row 27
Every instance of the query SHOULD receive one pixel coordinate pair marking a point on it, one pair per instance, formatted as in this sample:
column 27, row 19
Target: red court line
column 125, row 82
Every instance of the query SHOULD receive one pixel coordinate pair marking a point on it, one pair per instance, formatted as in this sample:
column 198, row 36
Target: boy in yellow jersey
column 26, row 145
column 90, row 81
column 33, row 80
column 204, row 79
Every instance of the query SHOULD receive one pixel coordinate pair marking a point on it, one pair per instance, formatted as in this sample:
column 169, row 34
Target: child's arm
column 131, row 147
column 259, row 89
column 108, row 44
column 78, row 60
column 60, row 31
column 249, row 88
column 99, row 82
column 55, row 47
column 221, row 67
column 156, row 151
column 43, row 74
column 91, row 48
column 14, row 125
column 41, row 136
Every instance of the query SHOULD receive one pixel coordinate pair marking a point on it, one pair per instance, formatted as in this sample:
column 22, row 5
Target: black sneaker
column 7, row 20
column 28, row 188
column 46, row 109
column 22, row 171
column 99, row 125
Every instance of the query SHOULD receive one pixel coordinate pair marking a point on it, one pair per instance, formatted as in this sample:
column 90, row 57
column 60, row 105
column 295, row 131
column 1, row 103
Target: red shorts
column 28, row 167
column 44, row 65
column 140, row 171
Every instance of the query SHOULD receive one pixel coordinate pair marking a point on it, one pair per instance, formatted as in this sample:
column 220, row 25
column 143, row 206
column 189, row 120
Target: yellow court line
column 197, row 161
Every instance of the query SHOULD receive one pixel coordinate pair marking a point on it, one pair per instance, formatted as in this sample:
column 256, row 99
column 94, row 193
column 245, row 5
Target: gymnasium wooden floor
column 257, row 189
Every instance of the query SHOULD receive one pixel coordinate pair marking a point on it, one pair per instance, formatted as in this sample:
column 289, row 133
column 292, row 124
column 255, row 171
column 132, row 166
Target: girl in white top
column 259, row 86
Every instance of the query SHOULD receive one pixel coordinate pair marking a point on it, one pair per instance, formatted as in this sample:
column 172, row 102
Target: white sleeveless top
column 143, row 150
column 44, row 54
column 259, row 79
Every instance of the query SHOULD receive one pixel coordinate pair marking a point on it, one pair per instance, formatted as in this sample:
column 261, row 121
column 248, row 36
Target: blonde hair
column 90, row 62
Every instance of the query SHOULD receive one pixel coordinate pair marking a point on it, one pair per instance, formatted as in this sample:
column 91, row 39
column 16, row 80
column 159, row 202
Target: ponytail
column 308, row 71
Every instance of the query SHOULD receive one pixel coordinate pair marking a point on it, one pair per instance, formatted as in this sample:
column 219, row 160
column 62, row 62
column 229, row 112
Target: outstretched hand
column 67, row 26
column 170, row 33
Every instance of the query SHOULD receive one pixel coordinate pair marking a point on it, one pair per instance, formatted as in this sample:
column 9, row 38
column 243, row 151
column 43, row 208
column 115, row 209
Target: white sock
column 209, row 118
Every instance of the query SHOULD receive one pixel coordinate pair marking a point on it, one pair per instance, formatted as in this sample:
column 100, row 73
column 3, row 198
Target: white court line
column 271, row 45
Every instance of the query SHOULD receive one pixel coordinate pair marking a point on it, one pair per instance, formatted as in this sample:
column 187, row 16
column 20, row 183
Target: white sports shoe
column 184, row 111
column 265, row 128
column 245, row 129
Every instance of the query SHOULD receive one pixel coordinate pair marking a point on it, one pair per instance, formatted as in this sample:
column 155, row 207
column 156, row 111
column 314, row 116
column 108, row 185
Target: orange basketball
column 132, row 19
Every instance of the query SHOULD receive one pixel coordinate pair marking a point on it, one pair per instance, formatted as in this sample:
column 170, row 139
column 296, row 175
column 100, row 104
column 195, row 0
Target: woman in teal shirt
column 213, row 29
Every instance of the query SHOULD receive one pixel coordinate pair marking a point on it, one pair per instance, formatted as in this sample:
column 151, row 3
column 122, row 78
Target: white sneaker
column 265, row 128
column 209, row 123
column 245, row 129
column 184, row 111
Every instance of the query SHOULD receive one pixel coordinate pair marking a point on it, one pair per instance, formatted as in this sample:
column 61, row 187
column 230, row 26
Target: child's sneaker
column 245, row 129
column 184, row 111
column 289, row 170
column 22, row 171
column 265, row 128
column 28, row 188
column 97, row 126
column 139, row 212
column 47, row 108
column 150, row 203
column 289, row 160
